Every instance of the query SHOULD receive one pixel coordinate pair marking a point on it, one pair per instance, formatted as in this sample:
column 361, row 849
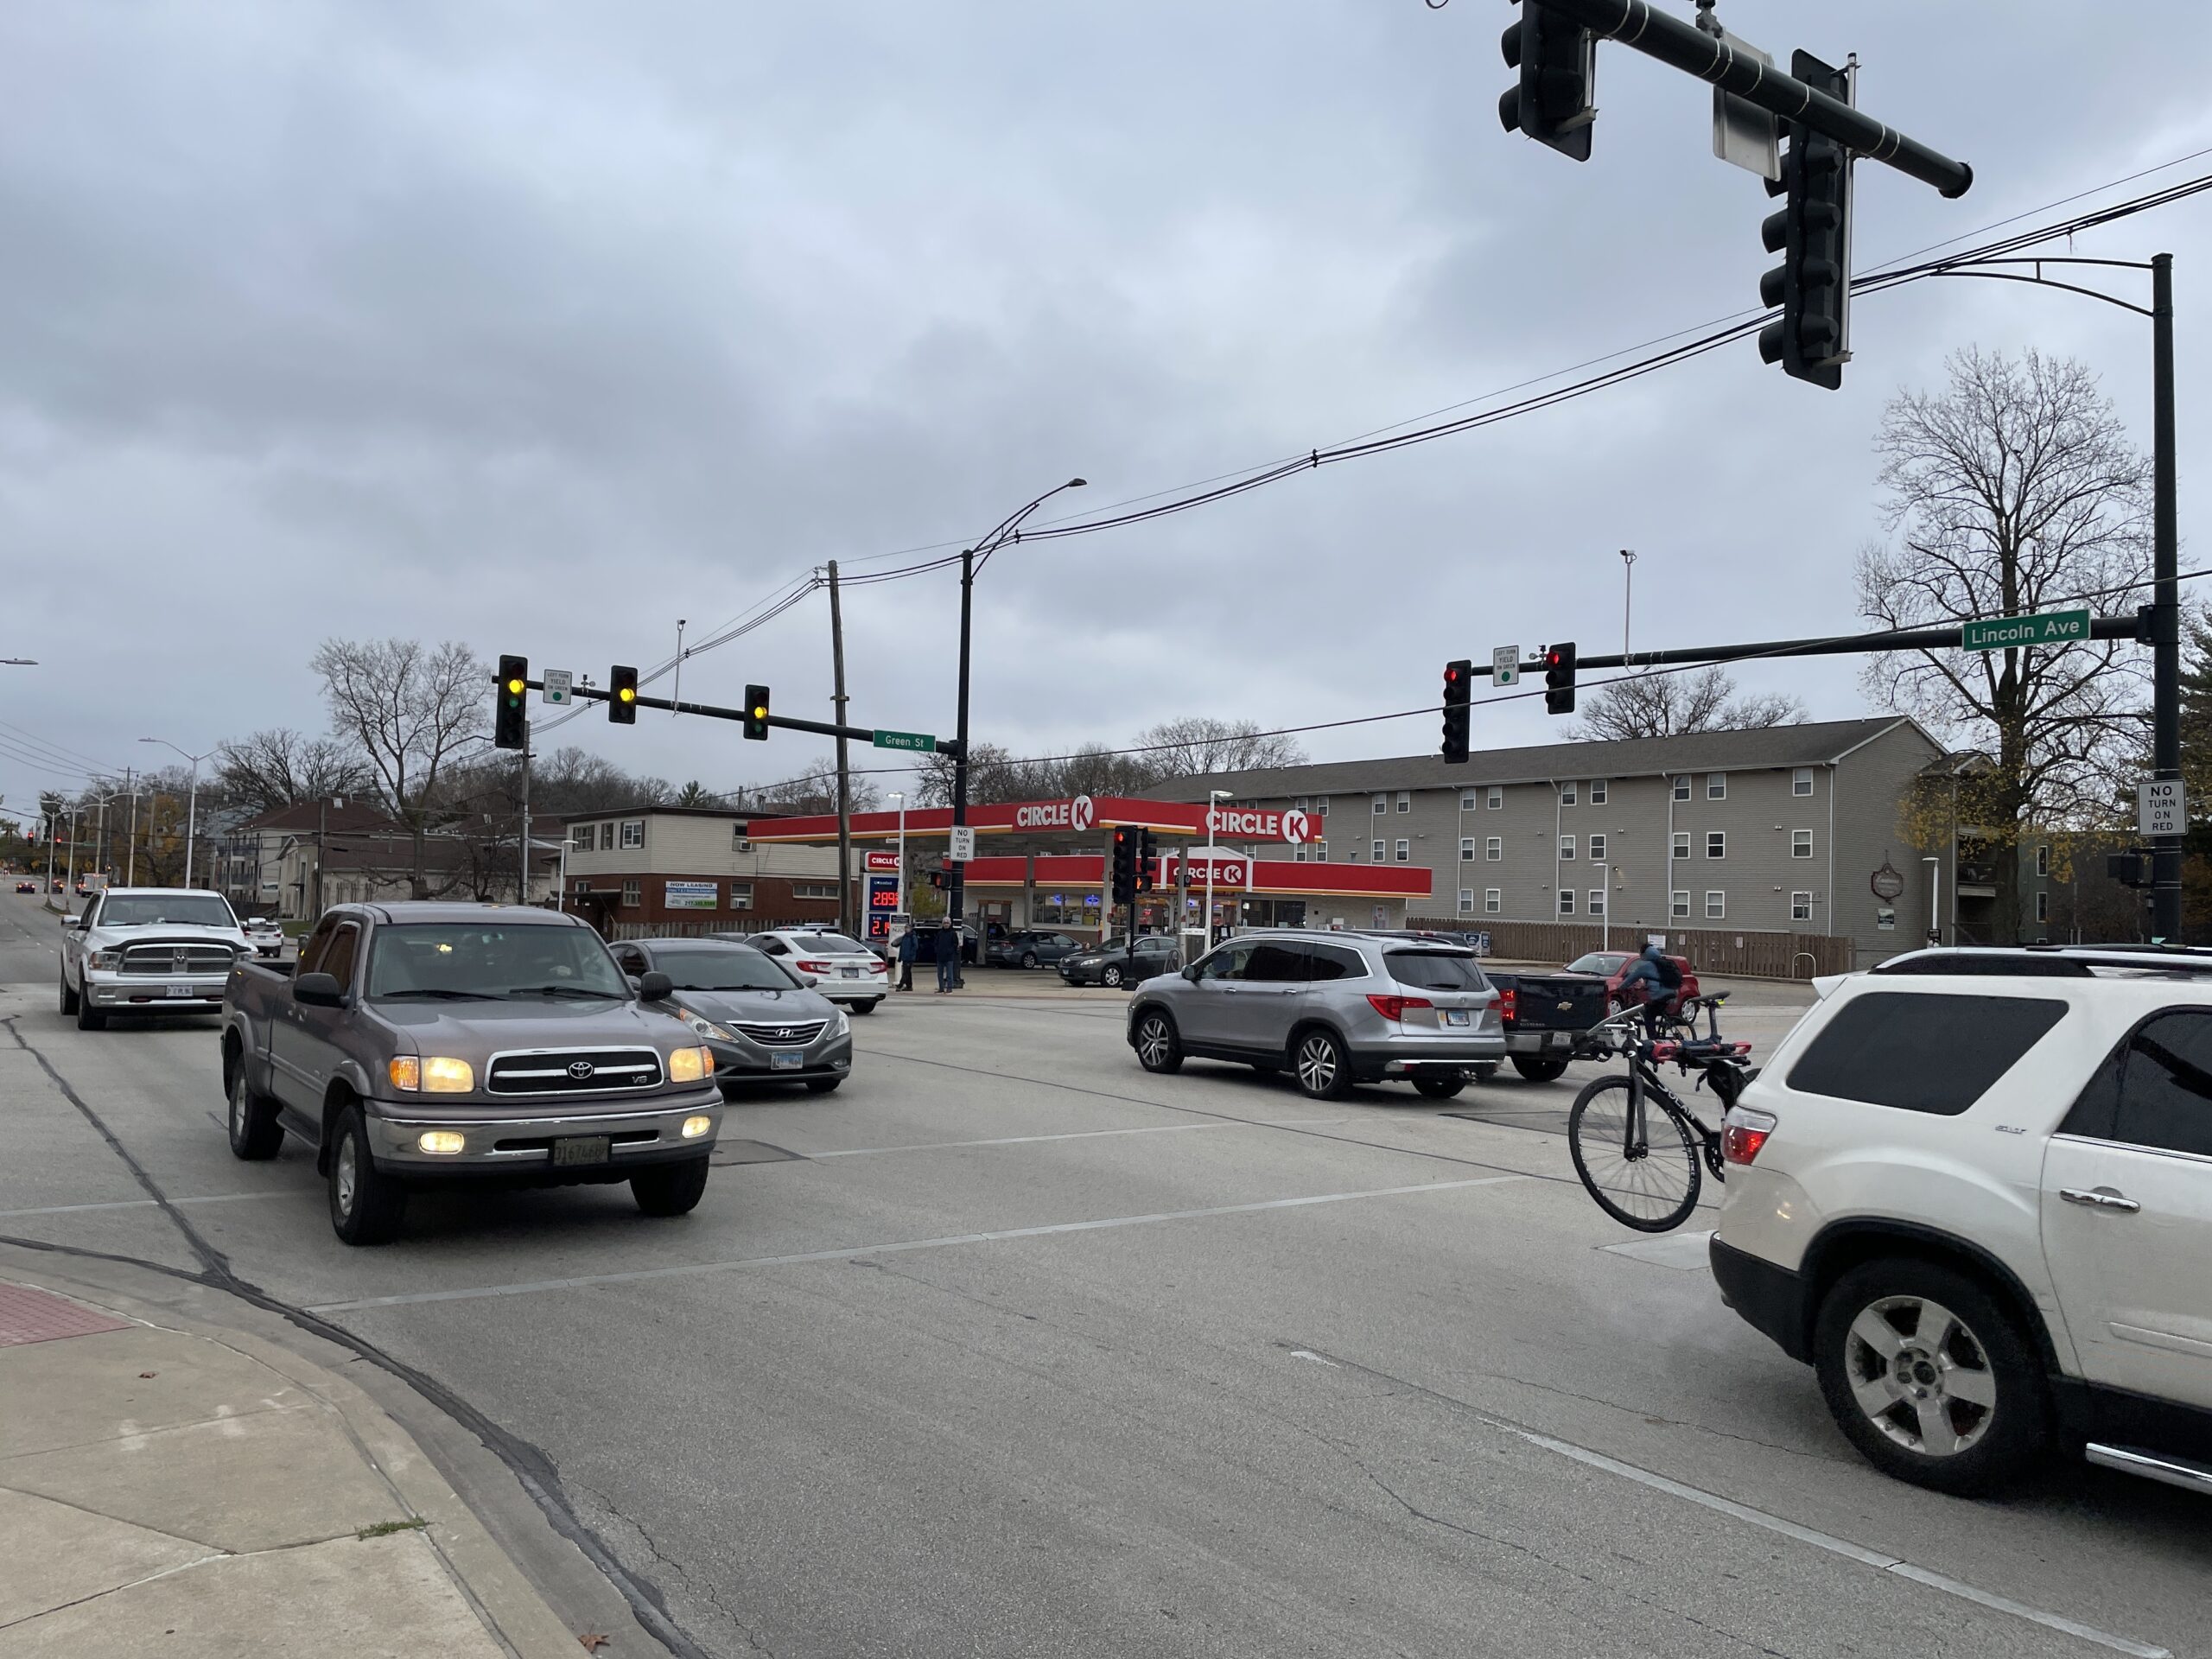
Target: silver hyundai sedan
column 763, row 1025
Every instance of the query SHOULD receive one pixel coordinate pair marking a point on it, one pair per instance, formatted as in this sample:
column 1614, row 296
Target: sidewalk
column 168, row 1487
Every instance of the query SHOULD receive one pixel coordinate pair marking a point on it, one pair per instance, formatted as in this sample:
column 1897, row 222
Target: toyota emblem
column 580, row 1070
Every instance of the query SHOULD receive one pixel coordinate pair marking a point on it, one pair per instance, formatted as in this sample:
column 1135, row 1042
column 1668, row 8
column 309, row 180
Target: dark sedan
column 1113, row 963
column 762, row 1025
column 1029, row 949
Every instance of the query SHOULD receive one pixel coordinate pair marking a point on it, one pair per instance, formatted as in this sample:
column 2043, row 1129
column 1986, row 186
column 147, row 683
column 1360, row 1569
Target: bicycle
column 1653, row 1186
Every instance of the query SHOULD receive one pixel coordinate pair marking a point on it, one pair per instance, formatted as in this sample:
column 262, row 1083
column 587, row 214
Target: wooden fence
column 1711, row 949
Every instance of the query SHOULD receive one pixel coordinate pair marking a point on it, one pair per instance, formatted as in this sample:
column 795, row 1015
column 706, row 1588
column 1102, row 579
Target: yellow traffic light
column 629, row 694
column 515, row 688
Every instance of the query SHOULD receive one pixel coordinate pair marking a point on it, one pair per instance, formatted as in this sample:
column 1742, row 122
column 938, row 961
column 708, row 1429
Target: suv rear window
column 1936, row 1053
column 1436, row 971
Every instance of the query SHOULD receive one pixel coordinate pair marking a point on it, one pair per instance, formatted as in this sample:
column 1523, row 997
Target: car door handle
column 2100, row 1199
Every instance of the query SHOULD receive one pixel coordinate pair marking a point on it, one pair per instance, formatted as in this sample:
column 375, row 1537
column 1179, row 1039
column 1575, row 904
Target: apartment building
column 681, row 869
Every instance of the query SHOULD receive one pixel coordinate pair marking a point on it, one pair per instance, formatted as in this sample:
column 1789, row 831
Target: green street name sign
column 923, row 743
column 2052, row 628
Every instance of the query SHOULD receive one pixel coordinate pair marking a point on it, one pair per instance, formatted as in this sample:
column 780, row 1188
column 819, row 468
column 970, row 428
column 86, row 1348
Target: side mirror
column 318, row 991
column 655, row 986
column 1190, row 973
column 69, row 922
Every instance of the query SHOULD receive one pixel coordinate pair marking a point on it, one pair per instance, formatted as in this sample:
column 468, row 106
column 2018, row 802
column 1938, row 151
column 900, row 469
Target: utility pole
column 522, row 893
column 322, row 825
column 1628, row 594
column 2165, row 601
column 844, row 775
column 130, row 842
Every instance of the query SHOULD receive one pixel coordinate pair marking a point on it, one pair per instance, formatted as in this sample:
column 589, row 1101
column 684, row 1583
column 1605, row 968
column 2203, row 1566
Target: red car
column 26, row 886
column 1612, row 965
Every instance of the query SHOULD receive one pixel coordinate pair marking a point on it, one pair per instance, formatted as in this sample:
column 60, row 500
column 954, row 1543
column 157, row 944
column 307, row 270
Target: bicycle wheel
column 1652, row 1188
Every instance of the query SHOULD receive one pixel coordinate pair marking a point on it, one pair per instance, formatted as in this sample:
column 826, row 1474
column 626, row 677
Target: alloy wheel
column 1317, row 1063
column 1152, row 1040
column 1921, row 1375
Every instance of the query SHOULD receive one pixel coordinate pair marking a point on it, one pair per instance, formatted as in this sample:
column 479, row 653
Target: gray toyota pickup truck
column 414, row 1044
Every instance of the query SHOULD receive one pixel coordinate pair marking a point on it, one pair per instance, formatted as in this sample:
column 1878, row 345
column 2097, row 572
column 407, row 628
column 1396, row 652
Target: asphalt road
column 1009, row 1348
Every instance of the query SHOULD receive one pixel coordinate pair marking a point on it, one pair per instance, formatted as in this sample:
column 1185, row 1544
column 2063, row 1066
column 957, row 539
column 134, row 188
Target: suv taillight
column 1394, row 1007
column 1743, row 1132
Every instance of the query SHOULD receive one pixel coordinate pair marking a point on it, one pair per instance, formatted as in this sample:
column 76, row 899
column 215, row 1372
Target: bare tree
column 1199, row 743
column 809, row 792
column 280, row 767
column 1669, row 705
column 414, row 711
column 2014, row 490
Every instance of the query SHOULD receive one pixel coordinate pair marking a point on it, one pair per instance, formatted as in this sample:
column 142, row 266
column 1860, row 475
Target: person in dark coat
column 948, row 957
column 909, row 944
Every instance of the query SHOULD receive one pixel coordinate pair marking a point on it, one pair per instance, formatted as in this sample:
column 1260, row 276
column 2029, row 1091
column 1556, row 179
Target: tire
column 255, row 1133
column 88, row 1017
column 68, row 996
column 1538, row 1068
column 670, row 1189
column 1974, row 1380
column 1110, row 977
column 1654, row 1190
column 868, row 1007
column 366, row 1206
column 823, row 1085
column 1029, row 958
column 1440, row 1088
column 1158, row 1043
column 1323, row 1072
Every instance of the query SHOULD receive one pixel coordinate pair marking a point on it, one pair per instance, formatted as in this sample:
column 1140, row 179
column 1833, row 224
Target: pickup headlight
column 690, row 1065
column 705, row 1026
column 437, row 1074
column 107, row 961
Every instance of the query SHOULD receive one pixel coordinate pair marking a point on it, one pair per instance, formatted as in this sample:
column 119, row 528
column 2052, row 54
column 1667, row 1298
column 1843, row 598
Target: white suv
column 1973, row 1190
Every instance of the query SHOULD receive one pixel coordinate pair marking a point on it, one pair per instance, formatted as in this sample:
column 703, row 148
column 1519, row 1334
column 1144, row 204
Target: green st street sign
column 923, row 743
column 2051, row 628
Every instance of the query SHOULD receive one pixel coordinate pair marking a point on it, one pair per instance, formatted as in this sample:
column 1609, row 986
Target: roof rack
column 2052, row 960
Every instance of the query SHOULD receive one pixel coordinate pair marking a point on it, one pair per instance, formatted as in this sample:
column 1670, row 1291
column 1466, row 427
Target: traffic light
column 1459, row 690
column 1812, row 235
column 1125, row 866
column 2129, row 869
column 756, row 712
column 1147, row 853
column 622, row 695
column 1559, row 679
column 1558, row 62
column 510, row 719
column 941, row 880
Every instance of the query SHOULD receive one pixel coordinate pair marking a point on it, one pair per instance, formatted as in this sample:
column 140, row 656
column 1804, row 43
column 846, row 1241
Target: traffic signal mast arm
column 712, row 711
column 1641, row 26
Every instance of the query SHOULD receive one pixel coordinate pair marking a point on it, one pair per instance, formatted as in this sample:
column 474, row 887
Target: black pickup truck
column 1545, row 1015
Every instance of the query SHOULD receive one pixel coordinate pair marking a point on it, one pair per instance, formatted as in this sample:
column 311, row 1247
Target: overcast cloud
column 543, row 325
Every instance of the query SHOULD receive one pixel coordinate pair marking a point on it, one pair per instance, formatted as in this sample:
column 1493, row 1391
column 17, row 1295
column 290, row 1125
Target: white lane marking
column 1312, row 1358
column 1688, row 1251
column 1077, row 1134
column 633, row 1275
column 138, row 1204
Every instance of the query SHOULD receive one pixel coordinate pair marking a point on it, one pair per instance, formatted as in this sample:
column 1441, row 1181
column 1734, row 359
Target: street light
column 900, row 795
column 973, row 559
column 1213, row 795
column 192, row 808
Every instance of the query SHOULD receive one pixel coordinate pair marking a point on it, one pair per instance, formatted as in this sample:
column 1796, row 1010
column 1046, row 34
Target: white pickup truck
column 148, row 950
column 1974, row 1189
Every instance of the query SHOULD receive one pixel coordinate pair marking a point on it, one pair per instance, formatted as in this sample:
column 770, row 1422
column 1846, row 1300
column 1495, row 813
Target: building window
column 1682, row 843
column 1567, row 794
column 1496, row 799
column 1680, row 903
column 606, row 835
column 1467, row 847
column 1716, row 904
column 1716, row 785
column 1493, row 901
column 2042, row 907
column 1494, row 848
column 737, row 839
column 2042, row 864
column 1299, row 803
column 1566, row 901
column 1375, row 849
column 1405, row 852
column 1405, row 801
column 1800, row 781
column 1801, row 906
column 631, row 891
column 1596, row 847
column 1681, row 789
column 1597, row 791
column 1716, row 844
column 1467, row 801
column 581, row 837
column 814, row 890
column 740, row 895
column 1566, row 847
column 1801, row 843
column 1467, row 901
column 633, row 832
column 1298, row 857
column 1320, row 806
column 1381, row 805
column 1320, row 852
column 1597, row 901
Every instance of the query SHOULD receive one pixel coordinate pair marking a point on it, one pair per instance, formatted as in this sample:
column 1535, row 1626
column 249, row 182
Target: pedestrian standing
column 909, row 942
column 948, row 958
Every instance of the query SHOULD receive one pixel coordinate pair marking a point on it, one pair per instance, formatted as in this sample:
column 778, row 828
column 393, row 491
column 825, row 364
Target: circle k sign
column 1081, row 813
column 1293, row 826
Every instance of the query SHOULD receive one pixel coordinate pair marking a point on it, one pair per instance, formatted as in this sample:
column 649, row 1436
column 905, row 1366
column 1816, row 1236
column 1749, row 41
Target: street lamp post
column 1213, row 795
column 973, row 559
column 192, row 806
column 900, row 795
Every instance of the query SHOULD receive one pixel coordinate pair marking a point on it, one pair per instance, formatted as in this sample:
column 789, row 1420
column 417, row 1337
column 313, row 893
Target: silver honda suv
column 1335, row 1008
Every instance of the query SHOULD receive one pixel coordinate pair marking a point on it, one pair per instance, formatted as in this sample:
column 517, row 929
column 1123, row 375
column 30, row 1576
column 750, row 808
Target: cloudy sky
column 542, row 326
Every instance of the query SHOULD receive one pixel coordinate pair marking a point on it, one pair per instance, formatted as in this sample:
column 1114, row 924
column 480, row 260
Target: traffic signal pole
column 2165, row 601
column 712, row 711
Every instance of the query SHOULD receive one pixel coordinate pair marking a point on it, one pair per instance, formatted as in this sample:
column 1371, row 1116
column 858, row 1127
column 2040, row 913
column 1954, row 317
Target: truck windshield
column 441, row 959
column 171, row 909
column 725, row 968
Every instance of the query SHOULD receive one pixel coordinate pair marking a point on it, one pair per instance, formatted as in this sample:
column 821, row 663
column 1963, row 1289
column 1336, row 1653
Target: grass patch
column 386, row 1528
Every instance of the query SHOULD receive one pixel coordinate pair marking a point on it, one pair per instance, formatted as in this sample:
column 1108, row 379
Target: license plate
column 580, row 1149
column 787, row 1061
column 1456, row 1017
column 849, row 972
column 181, row 991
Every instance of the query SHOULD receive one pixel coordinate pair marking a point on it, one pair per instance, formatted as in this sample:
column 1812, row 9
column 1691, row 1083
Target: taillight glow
column 1394, row 1007
column 813, row 967
column 1508, row 1002
column 1744, row 1132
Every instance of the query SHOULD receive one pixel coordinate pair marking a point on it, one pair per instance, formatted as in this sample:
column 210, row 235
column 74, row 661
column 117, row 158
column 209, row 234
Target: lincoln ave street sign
column 2051, row 628
column 918, row 742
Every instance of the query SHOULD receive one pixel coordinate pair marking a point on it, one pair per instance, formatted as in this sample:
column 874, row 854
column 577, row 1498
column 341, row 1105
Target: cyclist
column 1655, row 969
